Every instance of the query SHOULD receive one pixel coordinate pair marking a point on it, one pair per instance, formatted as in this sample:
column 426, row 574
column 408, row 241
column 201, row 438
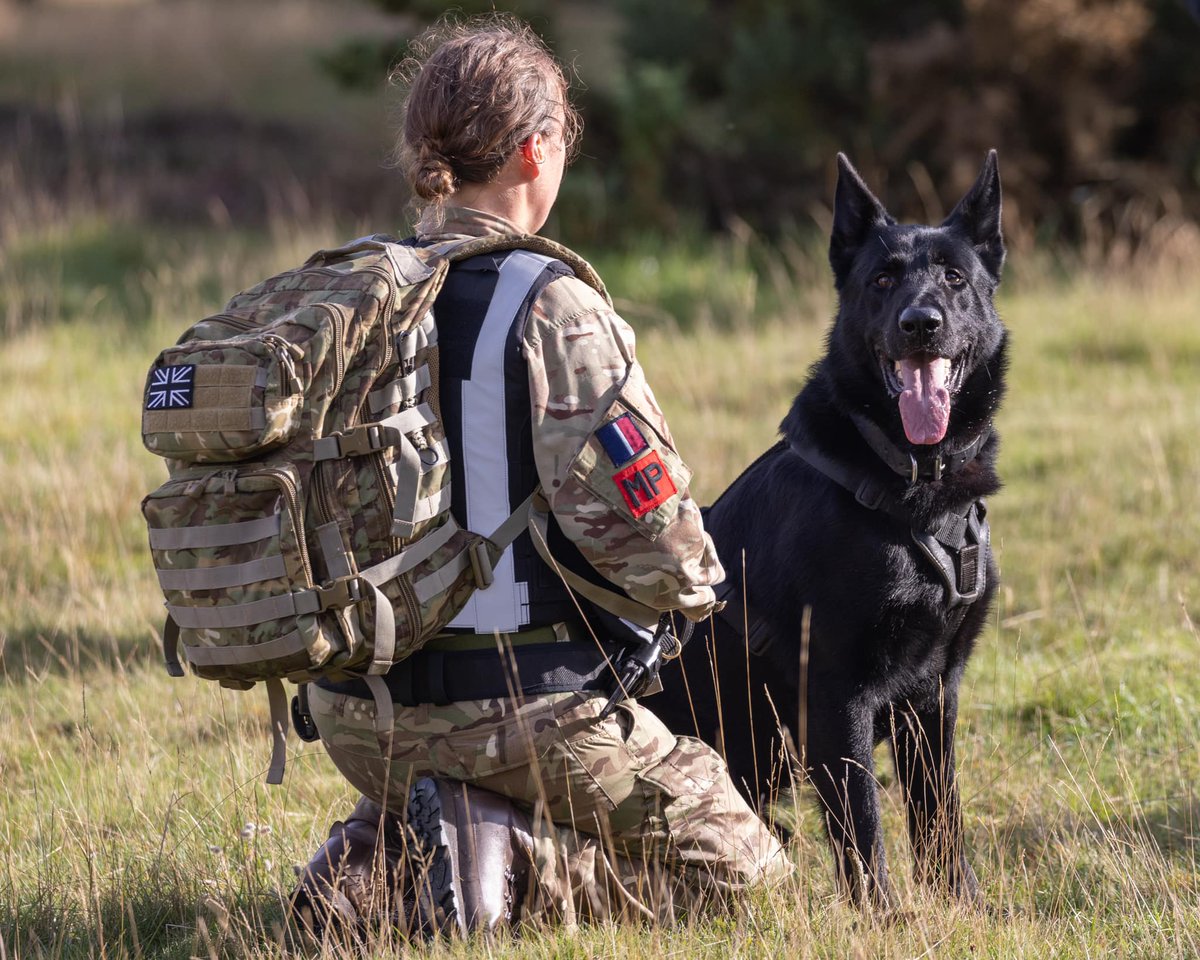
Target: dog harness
column 956, row 544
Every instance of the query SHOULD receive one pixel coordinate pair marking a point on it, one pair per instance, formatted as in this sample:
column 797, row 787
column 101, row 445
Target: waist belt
column 555, row 633
column 442, row 677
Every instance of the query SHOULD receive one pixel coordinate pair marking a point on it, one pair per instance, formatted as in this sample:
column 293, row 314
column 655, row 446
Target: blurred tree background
column 701, row 116
column 725, row 111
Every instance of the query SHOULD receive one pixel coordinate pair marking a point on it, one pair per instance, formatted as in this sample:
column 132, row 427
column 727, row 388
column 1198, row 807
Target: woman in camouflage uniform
column 486, row 136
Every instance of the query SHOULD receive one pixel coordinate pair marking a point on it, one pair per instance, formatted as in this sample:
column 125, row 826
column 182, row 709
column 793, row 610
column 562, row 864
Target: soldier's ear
column 533, row 152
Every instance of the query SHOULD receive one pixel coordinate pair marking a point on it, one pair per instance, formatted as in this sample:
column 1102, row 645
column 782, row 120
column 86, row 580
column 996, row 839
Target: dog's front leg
column 840, row 765
column 923, row 748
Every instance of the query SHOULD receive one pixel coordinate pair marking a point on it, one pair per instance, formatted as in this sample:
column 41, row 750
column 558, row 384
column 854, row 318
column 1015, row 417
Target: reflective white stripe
column 503, row 606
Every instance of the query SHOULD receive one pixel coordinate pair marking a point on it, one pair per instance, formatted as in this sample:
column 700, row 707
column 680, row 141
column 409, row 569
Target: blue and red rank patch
column 645, row 483
column 622, row 440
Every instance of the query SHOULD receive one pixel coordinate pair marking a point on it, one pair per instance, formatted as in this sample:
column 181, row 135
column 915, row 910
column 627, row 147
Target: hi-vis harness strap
column 484, row 470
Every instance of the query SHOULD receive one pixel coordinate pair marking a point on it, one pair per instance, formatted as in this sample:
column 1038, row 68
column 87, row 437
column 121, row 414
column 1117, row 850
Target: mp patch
column 621, row 439
column 172, row 387
column 645, row 484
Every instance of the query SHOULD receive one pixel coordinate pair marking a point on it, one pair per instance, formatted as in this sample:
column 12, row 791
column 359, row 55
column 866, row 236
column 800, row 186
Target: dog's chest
column 914, row 628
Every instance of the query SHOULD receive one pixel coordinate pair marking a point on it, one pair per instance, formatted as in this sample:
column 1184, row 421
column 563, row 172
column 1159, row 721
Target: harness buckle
column 968, row 573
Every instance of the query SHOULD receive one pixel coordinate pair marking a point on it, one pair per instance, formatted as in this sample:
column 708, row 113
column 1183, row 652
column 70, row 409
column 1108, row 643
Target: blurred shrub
column 726, row 111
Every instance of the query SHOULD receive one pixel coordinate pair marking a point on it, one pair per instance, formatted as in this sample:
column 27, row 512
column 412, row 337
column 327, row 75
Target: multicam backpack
column 305, row 530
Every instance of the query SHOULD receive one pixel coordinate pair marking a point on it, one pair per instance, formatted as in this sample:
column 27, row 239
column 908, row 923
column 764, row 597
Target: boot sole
column 436, row 899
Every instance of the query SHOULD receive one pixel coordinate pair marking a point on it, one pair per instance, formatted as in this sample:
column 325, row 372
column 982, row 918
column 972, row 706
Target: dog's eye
column 884, row 281
column 954, row 278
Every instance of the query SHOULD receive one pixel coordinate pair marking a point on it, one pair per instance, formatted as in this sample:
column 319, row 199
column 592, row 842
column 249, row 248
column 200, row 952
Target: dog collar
column 908, row 465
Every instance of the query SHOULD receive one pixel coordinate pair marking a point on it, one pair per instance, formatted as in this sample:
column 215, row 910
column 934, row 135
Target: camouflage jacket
column 605, row 456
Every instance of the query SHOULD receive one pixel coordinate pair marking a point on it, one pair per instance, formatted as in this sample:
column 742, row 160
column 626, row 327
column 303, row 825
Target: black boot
column 356, row 876
column 473, row 868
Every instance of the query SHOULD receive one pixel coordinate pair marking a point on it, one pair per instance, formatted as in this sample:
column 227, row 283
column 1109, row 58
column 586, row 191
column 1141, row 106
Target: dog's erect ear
column 977, row 216
column 856, row 212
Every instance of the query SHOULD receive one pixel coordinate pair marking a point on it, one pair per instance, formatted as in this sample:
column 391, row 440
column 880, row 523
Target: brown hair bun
column 477, row 89
column 432, row 176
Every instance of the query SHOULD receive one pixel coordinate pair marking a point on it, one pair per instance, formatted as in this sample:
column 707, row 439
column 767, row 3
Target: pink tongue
column 925, row 402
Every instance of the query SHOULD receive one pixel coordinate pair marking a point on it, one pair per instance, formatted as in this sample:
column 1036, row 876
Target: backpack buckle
column 340, row 593
column 355, row 442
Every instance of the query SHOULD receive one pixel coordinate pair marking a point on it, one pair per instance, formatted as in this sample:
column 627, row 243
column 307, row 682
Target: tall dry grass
column 135, row 820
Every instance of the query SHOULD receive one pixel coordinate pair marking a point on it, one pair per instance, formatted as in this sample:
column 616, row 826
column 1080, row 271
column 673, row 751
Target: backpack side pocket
column 231, row 555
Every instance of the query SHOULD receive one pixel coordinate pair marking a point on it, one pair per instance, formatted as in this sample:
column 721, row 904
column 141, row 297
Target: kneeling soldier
column 515, row 787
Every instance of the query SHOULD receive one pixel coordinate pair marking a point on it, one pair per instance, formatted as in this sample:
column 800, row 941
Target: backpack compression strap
column 616, row 604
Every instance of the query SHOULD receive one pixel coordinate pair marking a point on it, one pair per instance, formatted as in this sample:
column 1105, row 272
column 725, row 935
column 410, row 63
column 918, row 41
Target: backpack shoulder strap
column 455, row 250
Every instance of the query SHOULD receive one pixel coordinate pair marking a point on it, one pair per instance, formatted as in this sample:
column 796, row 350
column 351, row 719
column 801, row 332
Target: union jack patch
column 172, row 387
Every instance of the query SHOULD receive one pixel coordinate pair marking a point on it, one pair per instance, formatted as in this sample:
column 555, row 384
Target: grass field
column 134, row 818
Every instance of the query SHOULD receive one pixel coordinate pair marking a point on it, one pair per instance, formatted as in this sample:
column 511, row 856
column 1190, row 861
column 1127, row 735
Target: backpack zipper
column 287, row 361
column 339, row 346
column 230, row 320
column 387, row 308
column 324, row 506
column 385, row 312
column 291, row 494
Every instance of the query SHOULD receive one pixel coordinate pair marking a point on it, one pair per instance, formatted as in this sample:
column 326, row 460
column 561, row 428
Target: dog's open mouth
column 924, row 385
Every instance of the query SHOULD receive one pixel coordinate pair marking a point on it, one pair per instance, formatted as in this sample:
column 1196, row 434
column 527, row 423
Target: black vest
column 485, row 404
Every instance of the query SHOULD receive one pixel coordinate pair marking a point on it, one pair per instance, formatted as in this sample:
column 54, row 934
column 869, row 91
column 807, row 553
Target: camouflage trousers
column 628, row 819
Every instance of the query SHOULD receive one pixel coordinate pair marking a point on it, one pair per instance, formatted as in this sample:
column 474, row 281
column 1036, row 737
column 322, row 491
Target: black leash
column 639, row 665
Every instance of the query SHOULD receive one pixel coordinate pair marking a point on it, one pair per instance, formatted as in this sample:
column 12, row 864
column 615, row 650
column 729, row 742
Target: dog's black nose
column 920, row 321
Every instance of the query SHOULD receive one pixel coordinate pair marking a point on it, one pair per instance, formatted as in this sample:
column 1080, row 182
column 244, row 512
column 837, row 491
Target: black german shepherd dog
column 856, row 548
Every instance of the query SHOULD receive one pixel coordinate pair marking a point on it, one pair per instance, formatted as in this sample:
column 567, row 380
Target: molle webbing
column 215, row 534
column 215, row 578
column 221, row 401
column 405, row 388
